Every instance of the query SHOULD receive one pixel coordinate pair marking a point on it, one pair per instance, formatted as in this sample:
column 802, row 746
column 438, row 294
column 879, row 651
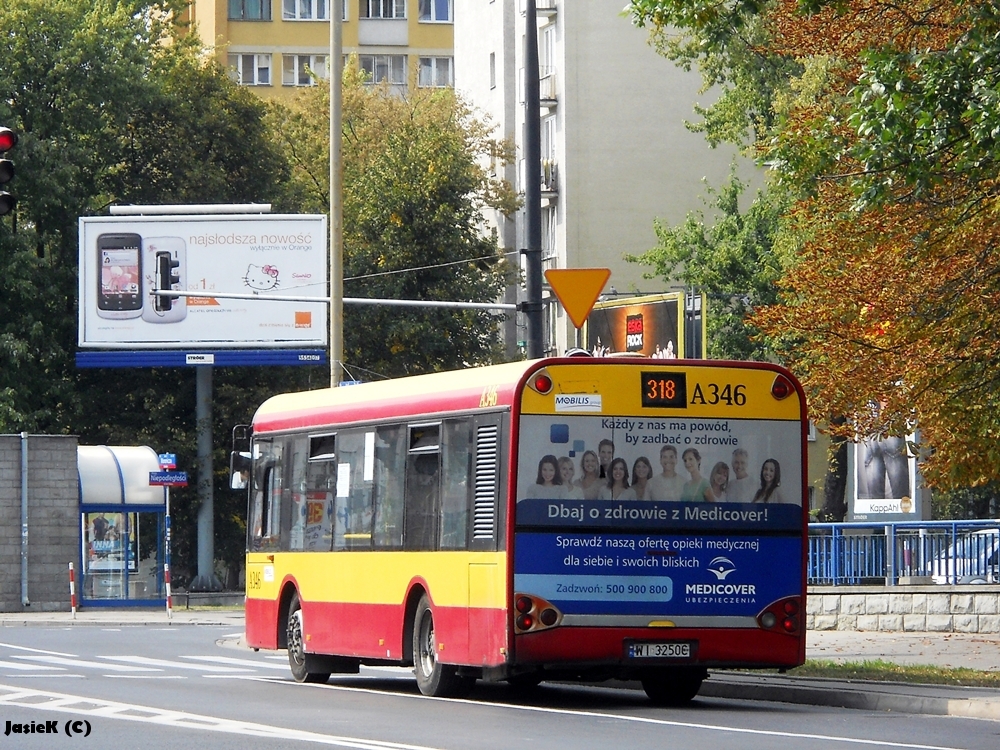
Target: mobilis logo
column 633, row 333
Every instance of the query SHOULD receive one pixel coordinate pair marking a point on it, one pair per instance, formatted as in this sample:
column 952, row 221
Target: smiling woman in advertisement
column 697, row 489
column 617, row 486
column 548, row 485
column 770, row 479
column 590, row 482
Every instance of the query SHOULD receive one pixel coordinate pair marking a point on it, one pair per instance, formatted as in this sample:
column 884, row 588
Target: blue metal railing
column 926, row 551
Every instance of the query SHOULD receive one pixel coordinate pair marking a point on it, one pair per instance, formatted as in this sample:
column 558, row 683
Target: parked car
column 973, row 558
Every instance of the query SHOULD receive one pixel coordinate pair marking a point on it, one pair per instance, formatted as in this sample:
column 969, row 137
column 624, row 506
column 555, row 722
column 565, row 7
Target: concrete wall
column 945, row 609
column 53, row 521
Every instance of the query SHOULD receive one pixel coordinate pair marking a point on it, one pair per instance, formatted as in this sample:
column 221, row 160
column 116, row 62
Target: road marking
column 173, row 664
column 621, row 717
column 28, row 667
column 37, row 650
column 85, row 663
column 241, row 662
column 45, row 700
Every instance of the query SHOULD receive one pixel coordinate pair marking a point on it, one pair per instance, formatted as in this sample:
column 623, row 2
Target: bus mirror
column 239, row 470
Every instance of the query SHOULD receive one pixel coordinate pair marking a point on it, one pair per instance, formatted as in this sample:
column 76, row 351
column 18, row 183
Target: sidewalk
column 939, row 649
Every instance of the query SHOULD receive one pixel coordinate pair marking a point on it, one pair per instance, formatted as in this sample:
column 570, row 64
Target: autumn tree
column 414, row 188
column 886, row 139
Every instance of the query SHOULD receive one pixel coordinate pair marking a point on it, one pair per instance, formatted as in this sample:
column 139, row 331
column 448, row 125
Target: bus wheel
column 296, row 646
column 675, row 687
column 433, row 677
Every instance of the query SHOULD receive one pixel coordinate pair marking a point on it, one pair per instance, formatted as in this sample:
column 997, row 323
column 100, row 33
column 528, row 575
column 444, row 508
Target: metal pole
column 166, row 552
column 532, row 184
column 205, row 581
column 24, row 520
column 334, row 70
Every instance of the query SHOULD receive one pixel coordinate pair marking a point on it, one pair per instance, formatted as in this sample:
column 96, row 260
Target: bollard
column 72, row 591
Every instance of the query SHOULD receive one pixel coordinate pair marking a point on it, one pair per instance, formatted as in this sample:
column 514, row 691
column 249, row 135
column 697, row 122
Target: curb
column 979, row 703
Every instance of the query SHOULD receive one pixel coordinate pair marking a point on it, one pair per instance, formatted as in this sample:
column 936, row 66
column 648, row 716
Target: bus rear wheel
column 296, row 646
column 673, row 687
column 434, row 678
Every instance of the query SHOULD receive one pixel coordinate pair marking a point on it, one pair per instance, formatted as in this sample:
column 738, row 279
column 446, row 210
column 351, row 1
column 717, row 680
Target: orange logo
column 303, row 319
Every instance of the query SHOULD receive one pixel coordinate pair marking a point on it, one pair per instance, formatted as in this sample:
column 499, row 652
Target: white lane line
column 148, row 676
column 85, row 663
column 622, row 717
column 173, row 664
column 37, row 650
column 85, row 706
column 242, row 662
column 28, row 667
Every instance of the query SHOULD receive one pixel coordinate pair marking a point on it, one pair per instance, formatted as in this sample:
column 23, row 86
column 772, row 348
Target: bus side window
column 390, row 471
column 457, row 467
column 297, row 486
column 423, row 488
column 353, row 503
column 265, row 497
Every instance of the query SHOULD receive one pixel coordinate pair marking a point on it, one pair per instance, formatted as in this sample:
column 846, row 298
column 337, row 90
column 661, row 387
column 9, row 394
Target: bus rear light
column 781, row 388
column 781, row 616
column 541, row 382
column 534, row 613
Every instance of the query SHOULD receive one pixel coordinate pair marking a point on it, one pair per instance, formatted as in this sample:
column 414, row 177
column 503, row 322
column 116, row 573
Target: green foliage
column 413, row 190
column 113, row 105
column 728, row 43
column 733, row 261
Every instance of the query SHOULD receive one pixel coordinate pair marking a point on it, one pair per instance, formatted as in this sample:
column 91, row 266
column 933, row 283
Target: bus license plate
column 681, row 650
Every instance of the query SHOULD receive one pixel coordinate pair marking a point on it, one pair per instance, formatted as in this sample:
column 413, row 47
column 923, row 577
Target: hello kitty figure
column 261, row 278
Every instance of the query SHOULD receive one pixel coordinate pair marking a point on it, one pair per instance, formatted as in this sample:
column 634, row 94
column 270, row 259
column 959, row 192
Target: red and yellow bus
column 570, row 518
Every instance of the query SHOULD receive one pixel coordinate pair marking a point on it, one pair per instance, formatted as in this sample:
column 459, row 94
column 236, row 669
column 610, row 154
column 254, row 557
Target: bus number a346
column 713, row 393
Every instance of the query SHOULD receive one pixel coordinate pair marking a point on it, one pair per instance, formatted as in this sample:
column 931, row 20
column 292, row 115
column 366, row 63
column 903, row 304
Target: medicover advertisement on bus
column 670, row 497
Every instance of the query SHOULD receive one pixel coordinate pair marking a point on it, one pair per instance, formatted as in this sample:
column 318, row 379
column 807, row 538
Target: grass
column 883, row 671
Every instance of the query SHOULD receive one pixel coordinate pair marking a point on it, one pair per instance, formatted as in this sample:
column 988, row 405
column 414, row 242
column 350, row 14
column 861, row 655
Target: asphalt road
column 177, row 687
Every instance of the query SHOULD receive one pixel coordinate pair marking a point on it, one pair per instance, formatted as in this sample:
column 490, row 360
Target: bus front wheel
column 434, row 678
column 674, row 687
column 296, row 646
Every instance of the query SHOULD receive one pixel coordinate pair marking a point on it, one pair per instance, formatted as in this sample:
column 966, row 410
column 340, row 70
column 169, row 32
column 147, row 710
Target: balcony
column 547, row 87
column 550, row 179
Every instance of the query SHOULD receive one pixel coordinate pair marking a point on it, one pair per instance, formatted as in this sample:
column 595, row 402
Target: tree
column 115, row 104
column 414, row 187
column 886, row 140
column 733, row 261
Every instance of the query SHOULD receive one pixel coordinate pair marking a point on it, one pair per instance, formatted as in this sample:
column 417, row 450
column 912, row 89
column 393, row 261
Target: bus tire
column 673, row 687
column 296, row 646
column 434, row 678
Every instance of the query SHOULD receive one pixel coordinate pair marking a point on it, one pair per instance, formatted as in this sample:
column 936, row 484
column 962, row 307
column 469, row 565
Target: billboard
column 124, row 259
column 651, row 326
column 885, row 480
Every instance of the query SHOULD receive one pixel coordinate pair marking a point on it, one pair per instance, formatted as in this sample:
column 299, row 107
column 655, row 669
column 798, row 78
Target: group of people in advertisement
column 603, row 476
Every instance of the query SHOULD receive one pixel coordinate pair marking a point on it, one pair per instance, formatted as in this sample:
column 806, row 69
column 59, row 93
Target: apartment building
column 615, row 151
column 278, row 45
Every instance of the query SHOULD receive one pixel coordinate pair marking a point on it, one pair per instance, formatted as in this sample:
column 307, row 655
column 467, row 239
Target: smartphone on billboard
column 165, row 264
column 119, row 259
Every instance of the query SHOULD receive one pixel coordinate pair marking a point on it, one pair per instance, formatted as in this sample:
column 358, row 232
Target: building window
column 435, row 72
column 382, row 9
column 250, row 69
column 249, row 10
column 493, row 70
column 435, row 10
column 302, row 70
column 389, row 68
column 305, row 10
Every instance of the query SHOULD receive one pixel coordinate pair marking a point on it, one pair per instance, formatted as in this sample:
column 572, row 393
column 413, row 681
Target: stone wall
column 958, row 609
column 53, row 521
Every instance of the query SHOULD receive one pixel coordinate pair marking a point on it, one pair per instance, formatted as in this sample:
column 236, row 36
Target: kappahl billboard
column 123, row 260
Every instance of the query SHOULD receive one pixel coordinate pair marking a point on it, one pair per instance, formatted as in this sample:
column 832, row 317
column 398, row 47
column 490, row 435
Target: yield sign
column 578, row 289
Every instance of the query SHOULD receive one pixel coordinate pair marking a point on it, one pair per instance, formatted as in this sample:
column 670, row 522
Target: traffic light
column 166, row 278
column 8, row 139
